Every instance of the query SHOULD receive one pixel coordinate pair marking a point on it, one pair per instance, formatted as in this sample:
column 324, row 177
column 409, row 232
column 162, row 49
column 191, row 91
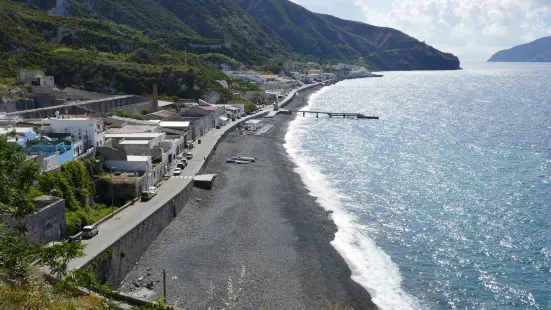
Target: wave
column 371, row 267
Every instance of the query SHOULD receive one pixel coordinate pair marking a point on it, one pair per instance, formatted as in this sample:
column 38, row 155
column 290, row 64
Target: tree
column 58, row 255
column 250, row 107
column 17, row 176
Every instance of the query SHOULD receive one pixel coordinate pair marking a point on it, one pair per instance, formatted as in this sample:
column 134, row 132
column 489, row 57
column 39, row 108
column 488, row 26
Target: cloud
column 464, row 26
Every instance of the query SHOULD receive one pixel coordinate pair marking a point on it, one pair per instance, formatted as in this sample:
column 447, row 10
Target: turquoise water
column 445, row 202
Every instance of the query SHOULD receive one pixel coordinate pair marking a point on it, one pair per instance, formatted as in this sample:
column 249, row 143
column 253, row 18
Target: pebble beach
column 256, row 240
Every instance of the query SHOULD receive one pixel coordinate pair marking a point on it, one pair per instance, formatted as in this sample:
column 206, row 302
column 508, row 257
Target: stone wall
column 47, row 225
column 116, row 262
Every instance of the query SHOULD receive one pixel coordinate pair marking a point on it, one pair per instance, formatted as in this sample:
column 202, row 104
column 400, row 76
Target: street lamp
column 112, row 204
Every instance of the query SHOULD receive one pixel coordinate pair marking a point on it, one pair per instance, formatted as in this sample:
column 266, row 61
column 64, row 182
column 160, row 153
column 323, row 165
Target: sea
column 445, row 201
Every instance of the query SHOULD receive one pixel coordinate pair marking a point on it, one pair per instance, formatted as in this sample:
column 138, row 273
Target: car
column 189, row 155
column 149, row 193
column 218, row 127
column 75, row 238
column 89, row 231
column 177, row 171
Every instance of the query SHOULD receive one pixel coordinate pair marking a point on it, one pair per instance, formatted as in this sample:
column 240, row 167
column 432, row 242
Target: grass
column 36, row 293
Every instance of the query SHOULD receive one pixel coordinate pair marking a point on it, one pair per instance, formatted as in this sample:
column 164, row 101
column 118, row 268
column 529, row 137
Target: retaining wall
column 113, row 264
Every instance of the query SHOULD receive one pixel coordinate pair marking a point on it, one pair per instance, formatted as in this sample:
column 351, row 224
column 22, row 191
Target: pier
column 334, row 114
column 317, row 113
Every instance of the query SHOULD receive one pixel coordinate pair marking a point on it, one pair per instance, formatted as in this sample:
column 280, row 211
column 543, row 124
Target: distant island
column 536, row 51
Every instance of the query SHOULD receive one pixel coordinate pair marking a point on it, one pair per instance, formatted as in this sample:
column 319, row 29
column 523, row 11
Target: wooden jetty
column 334, row 114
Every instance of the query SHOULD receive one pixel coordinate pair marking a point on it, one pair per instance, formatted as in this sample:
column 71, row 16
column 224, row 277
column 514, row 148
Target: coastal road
column 123, row 222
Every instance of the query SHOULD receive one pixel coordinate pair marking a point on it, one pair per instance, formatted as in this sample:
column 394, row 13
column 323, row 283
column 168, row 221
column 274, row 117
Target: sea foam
column 371, row 267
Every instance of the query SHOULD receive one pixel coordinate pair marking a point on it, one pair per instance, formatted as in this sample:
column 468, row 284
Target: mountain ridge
column 328, row 37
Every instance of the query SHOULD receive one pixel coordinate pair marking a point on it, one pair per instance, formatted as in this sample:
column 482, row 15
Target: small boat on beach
column 251, row 159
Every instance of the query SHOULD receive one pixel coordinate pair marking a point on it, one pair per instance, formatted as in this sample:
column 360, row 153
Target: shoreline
column 258, row 239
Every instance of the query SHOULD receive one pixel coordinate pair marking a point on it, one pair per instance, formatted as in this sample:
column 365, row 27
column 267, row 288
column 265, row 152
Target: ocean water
column 445, row 202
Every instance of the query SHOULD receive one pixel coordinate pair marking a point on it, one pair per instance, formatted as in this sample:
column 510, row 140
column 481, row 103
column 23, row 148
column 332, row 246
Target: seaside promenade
column 124, row 221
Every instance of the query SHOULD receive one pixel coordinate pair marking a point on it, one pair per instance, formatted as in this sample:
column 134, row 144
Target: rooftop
column 209, row 107
column 134, row 142
column 137, row 158
column 134, row 129
column 174, row 124
column 163, row 113
column 4, row 131
column 150, row 135
column 164, row 103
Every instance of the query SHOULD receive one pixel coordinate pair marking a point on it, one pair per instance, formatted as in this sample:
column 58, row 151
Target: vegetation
column 250, row 107
column 74, row 184
column 243, row 85
column 22, row 284
column 100, row 56
column 121, row 113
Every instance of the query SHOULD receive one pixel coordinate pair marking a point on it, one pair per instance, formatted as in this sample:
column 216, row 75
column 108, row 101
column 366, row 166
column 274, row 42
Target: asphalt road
column 123, row 222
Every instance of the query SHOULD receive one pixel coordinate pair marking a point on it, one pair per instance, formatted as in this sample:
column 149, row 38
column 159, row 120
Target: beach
column 256, row 240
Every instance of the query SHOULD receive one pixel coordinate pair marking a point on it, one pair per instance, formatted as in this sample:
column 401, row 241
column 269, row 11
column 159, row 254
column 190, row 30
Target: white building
column 247, row 75
column 90, row 130
column 133, row 163
column 35, row 78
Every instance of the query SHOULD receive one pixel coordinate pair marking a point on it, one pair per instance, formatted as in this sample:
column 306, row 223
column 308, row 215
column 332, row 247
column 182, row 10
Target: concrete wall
column 103, row 106
column 134, row 109
column 123, row 254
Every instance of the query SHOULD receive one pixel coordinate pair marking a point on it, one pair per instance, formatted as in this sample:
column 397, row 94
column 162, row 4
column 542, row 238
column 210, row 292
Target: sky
column 471, row 29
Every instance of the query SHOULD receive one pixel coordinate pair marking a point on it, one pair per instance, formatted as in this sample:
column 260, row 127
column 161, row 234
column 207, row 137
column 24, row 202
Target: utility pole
column 164, row 283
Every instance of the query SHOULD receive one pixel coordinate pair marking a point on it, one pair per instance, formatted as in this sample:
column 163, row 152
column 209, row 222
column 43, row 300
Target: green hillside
column 326, row 37
column 200, row 26
column 102, row 56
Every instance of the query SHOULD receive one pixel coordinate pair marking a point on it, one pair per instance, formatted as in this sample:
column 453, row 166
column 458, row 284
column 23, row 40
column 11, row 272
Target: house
column 77, row 127
column 246, row 75
column 55, row 152
column 269, row 78
column 211, row 114
column 233, row 111
column 22, row 134
column 121, row 146
column 35, row 78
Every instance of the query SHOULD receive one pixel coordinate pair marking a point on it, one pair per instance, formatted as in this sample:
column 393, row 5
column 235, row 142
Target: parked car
column 149, row 193
column 75, row 238
column 189, row 155
column 89, row 231
column 218, row 127
column 177, row 171
column 182, row 164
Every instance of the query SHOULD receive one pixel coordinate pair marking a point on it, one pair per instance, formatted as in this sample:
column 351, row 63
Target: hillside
column 200, row 26
column 536, row 51
column 97, row 55
column 326, row 37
